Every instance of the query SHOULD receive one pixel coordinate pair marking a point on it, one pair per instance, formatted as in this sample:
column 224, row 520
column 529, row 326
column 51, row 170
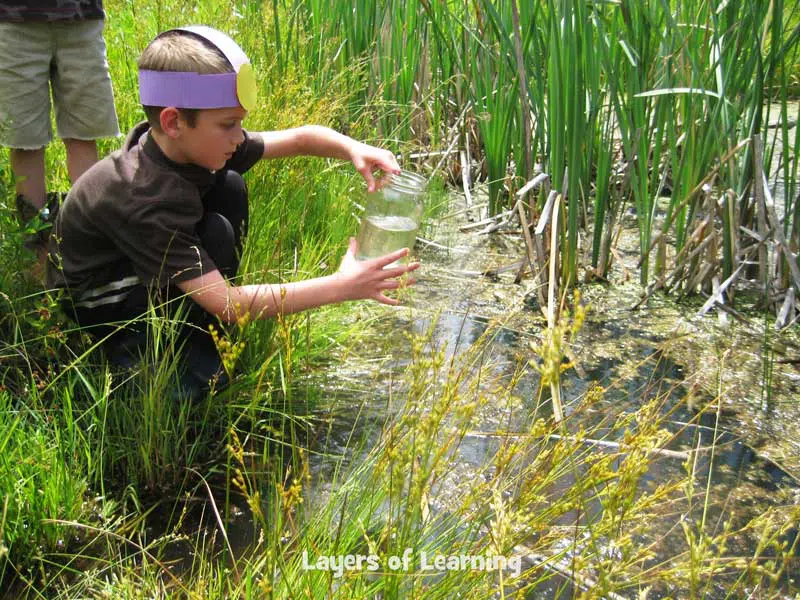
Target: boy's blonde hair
column 181, row 51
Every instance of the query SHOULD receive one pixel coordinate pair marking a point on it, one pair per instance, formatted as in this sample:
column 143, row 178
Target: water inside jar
column 392, row 215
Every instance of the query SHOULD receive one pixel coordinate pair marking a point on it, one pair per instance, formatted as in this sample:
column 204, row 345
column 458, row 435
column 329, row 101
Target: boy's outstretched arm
column 315, row 140
column 355, row 280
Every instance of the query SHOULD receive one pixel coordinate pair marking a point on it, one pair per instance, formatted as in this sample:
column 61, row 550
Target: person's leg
column 82, row 93
column 28, row 168
column 200, row 367
column 218, row 238
column 203, row 365
column 25, row 55
column 228, row 197
column 128, row 336
column 221, row 233
column 81, row 154
column 29, row 174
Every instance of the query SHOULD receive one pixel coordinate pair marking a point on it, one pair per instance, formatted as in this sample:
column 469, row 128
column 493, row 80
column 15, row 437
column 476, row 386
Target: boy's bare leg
column 28, row 167
column 29, row 172
column 81, row 154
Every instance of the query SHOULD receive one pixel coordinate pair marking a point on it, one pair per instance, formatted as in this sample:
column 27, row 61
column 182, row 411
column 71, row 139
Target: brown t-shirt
column 132, row 219
column 22, row 11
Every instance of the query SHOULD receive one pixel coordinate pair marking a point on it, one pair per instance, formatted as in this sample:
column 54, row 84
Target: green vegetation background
column 86, row 453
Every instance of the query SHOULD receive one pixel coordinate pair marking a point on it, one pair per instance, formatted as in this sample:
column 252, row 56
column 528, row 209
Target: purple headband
column 183, row 89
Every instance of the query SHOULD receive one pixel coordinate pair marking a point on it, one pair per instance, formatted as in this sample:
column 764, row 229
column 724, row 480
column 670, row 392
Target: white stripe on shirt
column 129, row 281
column 102, row 301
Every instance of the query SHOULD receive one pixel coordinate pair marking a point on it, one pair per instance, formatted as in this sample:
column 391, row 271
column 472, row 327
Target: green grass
column 386, row 497
column 89, row 454
column 40, row 481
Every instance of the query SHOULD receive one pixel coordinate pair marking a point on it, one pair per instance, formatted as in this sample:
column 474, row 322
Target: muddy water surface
column 660, row 350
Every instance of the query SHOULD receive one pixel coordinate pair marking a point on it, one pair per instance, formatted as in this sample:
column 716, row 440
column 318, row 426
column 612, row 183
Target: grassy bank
column 112, row 487
column 81, row 439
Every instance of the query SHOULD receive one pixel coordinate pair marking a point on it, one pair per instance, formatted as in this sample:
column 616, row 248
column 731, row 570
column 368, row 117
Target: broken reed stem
column 707, row 179
column 526, row 233
column 761, row 211
column 454, row 135
column 551, row 289
column 777, row 230
column 533, row 244
column 555, row 385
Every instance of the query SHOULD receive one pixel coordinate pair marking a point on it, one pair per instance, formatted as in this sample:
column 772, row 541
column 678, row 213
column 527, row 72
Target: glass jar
column 392, row 216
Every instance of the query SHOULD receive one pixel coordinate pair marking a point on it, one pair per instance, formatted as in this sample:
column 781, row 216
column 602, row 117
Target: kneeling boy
column 165, row 215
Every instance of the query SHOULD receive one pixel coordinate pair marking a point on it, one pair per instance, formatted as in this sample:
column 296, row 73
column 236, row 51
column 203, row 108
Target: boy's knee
column 219, row 240
column 228, row 197
column 234, row 186
column 233, row 180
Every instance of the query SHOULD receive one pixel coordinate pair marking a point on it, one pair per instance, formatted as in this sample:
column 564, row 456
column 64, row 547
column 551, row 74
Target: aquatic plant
column 640, row 104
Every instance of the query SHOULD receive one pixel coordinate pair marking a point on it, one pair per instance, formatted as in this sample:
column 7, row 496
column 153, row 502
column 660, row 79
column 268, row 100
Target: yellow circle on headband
column 246, row 87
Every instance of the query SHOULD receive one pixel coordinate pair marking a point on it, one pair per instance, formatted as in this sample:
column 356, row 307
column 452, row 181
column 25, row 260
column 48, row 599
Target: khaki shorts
column 70, row 58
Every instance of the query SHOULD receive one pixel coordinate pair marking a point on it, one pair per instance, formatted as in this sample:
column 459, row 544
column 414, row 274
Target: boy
column 166, row 215
column 59, row 45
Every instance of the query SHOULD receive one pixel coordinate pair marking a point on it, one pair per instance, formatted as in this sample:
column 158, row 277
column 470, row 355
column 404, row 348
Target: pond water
column 773, row 146
column 661, row 350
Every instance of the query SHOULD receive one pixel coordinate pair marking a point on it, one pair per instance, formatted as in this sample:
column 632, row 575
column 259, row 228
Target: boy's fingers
column 388, row 259
column 392, row 283
column 393, row 272
column 390, row 165
column 366, row 173
column 386, row 300
column 352, row 246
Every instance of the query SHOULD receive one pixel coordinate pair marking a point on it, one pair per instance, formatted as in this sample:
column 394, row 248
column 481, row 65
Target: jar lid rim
column 408, row 181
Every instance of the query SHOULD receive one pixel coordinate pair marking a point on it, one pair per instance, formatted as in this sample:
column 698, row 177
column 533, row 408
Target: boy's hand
column 368, row 159
column 364, row 279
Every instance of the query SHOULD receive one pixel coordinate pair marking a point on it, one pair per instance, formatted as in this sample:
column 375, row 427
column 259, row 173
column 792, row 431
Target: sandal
column 36, row 223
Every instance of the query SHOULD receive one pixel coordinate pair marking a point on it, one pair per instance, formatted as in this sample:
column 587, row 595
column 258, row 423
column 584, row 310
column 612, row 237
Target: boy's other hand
column 368, row 159
column 370, row 278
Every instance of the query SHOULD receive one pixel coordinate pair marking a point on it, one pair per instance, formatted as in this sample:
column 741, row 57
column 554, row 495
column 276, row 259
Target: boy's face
column 213, row 139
